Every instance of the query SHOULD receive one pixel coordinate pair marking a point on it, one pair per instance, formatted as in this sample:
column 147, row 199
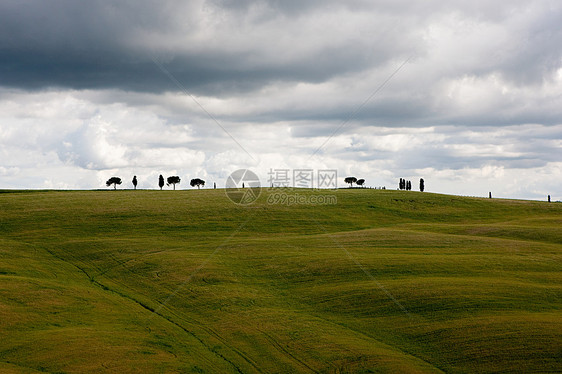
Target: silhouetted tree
column 113, row 181
column 360, row 182
column 489, row 195
column 197, row 182
column 408, row 185
column 422, row 185
column 401, row 184
column 135, row 182
column 549, row 198
column 350, row 180
column 160, row 181
column 173, row 180
column 215, row 185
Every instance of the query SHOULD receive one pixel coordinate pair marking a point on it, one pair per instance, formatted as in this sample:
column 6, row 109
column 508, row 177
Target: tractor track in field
column 223, row 341
column 286, row 352
column 191, row 321
column 156, row 313
column 362, row 333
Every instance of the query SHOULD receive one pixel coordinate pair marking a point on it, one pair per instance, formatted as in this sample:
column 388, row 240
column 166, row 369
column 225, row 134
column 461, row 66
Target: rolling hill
column 187, row 281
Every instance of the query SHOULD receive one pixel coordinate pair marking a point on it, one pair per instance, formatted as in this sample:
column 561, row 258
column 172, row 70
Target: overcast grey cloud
column 477, row 106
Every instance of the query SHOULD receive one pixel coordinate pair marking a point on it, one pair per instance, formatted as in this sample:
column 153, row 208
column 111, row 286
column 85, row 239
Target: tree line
column 402, row 185
column 172, row 180
column 198, row 182
column 351, row 180
column 407, row 185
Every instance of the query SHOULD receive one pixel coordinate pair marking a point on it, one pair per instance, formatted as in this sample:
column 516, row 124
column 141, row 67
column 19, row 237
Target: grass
column 187, row 281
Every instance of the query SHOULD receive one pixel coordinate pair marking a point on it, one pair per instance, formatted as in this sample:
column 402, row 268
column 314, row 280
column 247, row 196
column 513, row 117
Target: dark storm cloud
column 98, row 45
column 224, row 48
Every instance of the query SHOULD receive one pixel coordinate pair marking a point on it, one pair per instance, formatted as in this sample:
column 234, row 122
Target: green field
column 187, row 281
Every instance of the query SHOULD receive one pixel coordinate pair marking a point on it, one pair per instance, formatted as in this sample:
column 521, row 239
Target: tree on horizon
column 113, row 181
column 173, row 180
column 135, row 182
column 160, row 182
column 197, row 182
column 422, row 185
column 360, row 182
column 350, row 180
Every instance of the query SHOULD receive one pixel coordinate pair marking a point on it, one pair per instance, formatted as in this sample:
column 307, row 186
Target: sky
column 466, row 95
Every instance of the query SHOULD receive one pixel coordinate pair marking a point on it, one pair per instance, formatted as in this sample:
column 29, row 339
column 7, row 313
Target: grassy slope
column 187, row 281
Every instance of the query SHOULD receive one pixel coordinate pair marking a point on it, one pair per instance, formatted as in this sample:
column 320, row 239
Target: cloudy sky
column 467, row 95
